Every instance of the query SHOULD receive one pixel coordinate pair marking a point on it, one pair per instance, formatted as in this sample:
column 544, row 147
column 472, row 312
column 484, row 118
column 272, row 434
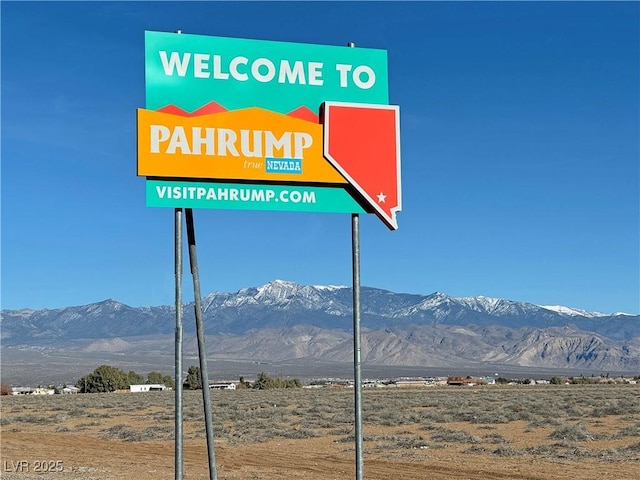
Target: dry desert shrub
column 31, row 418
column 410, row 442
column 85, row 425
column 574, row 433
column 122, row 432
column 629, row 431
column 505, row 451
column 495, row 438
column 446, row 435
column 76, row 411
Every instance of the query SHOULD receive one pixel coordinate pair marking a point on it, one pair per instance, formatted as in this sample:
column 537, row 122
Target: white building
column 150, row 387
column 222, row 386
column 32, row 391
column 69, row 389
column 22, row 390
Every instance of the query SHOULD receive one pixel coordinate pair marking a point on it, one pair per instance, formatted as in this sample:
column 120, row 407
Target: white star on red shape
column 381, row 197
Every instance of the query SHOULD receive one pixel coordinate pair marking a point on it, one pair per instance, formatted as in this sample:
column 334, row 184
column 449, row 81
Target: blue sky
column 520, row 155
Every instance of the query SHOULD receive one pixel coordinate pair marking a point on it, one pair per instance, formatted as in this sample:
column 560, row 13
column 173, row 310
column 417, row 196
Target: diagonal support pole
column 204, row 373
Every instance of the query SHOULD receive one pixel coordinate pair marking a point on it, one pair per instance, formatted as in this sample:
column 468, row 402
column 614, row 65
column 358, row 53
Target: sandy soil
column 28, row 450
column 90, row 458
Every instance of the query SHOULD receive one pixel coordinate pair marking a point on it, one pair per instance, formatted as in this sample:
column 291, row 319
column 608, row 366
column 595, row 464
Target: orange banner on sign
column 247, row 144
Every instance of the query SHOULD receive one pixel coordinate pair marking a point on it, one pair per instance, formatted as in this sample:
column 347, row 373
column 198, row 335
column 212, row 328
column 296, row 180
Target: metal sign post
column 178, row 346
column 357, row 373
column 179, row 382
column 357, row 387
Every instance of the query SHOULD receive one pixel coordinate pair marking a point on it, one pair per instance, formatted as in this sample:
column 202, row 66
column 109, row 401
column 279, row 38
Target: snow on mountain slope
column 574, row 311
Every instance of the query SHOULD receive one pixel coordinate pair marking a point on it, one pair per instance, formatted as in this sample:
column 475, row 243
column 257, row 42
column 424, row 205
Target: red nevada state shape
column 362, row 142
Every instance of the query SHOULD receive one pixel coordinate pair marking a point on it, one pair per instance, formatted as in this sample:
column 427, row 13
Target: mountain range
column 285, row 321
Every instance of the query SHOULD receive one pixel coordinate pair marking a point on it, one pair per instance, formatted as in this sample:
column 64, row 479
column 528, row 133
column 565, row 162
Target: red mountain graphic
column 209, row 108
column 303, row 113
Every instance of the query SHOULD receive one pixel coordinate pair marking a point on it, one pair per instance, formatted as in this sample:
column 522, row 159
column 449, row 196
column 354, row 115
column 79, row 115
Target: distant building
column 22, row 390
column 69, row 389
column 222, row 386
column 460, row 381
column 436, row 381
column 151, row 387
column 32, row 391
column 411, row 383
column 371, row 384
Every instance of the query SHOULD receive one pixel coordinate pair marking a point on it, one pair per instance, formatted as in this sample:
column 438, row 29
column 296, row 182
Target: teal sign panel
column 240, row 196
column 191, row 71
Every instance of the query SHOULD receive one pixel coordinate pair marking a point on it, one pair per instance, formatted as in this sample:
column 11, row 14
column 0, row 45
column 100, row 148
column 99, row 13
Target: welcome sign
column 236, row 110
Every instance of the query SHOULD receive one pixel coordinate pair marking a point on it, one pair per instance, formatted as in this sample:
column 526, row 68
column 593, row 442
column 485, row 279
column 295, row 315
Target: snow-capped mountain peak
column 573, row 311
column 329, row 288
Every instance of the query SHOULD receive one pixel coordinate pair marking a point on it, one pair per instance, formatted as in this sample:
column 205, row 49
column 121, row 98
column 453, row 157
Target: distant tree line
column 263, row 382
column 106, row 378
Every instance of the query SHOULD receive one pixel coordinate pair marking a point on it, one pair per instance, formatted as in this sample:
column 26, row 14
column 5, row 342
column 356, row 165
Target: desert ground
column 486, row 432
